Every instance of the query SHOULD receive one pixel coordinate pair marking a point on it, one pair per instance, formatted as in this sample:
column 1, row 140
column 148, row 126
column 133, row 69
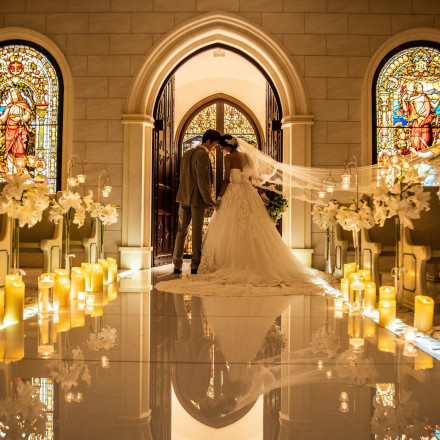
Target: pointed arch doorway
column 153, row 74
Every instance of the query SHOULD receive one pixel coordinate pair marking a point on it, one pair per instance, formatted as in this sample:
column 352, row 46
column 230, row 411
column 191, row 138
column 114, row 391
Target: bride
column 242, row 248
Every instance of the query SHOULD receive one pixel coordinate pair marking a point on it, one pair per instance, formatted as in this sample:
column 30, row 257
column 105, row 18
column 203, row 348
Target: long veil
column 303, row 182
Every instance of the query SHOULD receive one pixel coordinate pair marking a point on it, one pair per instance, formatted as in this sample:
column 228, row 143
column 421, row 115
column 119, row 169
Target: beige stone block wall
column 105, row 42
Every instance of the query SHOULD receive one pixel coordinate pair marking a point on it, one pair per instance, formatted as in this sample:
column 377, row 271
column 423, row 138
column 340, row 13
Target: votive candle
column 387, row 293
column 96, row 278
column 423, row 313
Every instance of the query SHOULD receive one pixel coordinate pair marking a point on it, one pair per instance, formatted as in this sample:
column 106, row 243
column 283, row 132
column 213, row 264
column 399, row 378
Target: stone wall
column 105, row 41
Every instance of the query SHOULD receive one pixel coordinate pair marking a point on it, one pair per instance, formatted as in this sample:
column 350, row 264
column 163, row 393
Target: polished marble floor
column 147, row 365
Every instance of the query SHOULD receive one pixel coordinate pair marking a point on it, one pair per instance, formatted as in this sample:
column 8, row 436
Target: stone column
column 297, row 226
column 136, row 247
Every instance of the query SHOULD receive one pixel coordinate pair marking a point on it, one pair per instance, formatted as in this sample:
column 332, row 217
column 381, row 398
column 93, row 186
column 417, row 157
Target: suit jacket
column 195, row 178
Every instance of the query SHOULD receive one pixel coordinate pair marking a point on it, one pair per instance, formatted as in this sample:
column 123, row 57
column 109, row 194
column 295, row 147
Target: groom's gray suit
column 194, row 195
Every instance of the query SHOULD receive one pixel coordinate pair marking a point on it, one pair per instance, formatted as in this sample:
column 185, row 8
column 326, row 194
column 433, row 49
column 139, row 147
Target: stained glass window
column 407, row 98
column 30, row 110
column 46, row 390
column 226, row 118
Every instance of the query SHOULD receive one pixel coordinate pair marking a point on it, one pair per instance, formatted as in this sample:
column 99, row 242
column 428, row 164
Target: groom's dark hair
column 211, row 135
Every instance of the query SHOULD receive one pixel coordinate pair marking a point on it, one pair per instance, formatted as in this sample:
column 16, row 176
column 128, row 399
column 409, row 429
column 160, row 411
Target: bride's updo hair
column 229, row 141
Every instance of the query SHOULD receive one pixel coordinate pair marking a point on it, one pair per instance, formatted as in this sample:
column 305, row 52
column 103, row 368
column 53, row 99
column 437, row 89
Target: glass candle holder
column 409, row 350
column 357, row 345
column 45, row 295
column 46, row 346
column 410, row 334
column 356, row 296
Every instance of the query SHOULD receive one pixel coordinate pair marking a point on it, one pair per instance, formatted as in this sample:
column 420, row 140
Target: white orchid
column 325, row 216
column 105, row 339
column 323, row 341
column 69, row 203
column 108, row 215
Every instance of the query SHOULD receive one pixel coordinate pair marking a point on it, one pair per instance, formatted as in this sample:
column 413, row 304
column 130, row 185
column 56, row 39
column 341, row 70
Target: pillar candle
column 387, row 312
column 370, row 296
column 63, row 291
column 345, row 283
column 78, row 282
column 356, row 294
column 105, row 265
column 112, row 270
column 88, row 275
column 387, row 293
column 14, row 299
column 2, row 307
column 423, row 313
column 348, row 269
column 365, row 274
column 96, row 278
column 386, row 341
column 45, row 294
column 61, row 273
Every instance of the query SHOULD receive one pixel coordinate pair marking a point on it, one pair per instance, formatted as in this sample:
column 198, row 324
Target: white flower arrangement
column 350, row 367
column 325, row 216
column 68, row 376
column 356, row 216
column 24, row 200
column 67, row 202
column 105, row 339
column 23, row 417
column 406, row 200
column 323, row 341
column 106, row 214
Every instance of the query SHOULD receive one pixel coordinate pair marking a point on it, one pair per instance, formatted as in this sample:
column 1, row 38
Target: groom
column 194, row 195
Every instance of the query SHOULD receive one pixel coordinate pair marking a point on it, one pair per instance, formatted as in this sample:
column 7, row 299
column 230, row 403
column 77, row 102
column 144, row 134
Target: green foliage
column 277, row 207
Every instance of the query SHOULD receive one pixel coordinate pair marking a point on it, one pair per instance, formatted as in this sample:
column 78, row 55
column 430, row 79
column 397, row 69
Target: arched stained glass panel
column 407, row 98
column 30, row 110
column 236, row 124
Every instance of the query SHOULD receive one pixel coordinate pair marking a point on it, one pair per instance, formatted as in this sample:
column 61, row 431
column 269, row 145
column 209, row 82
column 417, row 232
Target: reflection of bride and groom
column 242, row 248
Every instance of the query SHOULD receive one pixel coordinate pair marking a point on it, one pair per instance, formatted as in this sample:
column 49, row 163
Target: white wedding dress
column 243, row 253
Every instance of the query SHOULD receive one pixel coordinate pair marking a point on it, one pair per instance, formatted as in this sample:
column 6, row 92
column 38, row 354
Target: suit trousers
column 186, row 214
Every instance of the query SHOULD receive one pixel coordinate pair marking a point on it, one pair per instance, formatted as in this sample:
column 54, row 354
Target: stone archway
column 186, row 39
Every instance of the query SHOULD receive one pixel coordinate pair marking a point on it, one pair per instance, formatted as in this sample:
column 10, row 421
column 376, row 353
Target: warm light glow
column 329, row 374
column 320, row 365
column 357, row 345
column 329, row 188
column 32, row 160
column 410, row 334
column 105, row 193
column 81, row 178
column 72, row 181
column 344, row 407
column 409, row 350
column 105, row 362
column 321, row 194
column 344, row 397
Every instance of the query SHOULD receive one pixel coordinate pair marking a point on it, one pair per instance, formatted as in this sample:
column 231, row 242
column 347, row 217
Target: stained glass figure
column 407, row 98
column 30, row 107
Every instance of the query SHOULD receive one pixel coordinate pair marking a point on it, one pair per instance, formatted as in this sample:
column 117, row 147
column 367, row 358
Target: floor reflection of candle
column 63, row 324
column 423, row 361
column 409, row 350
column 14, row 342
column 370, row 296
column 320, row 365
column 345, row 283
column 2, row 306
column 369, row 328
column 357, row 345
column 386, row 341
column 423, row 313
column 46, row 346
column 112, row 291
column 77, row 318
column 387, row 313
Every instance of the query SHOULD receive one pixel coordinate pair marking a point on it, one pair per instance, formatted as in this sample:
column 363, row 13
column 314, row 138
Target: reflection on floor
column 145, row 365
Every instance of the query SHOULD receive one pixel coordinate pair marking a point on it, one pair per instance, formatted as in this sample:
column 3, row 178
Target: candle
column 370, row 296
column 356, row 295
column 45, row 294
column 105, row 266
column 423, row 313
column 386, row 341
column 338, row 304
column 328, row 374
column 88, row 275
column 105, row 363
column 96, row 278
column 348, row 269
column 78, row 282
column 357, row 345
column 423, row 361
column 354, row 325
column 61, row 273
column 63, row 324
column 14, row 299
column 365, row 274
column 339, row 314
column 2, row 307
column 98, row 310
column 343, row 397
column 387, row 293
column 387, row 312
column 345, row 284
column 63, row 291
column 410, row 334
column 112, row 270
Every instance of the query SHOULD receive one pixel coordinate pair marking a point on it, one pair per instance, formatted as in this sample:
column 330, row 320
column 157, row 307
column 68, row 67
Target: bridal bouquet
column 24, row 200
column 356, row 216
column 325, row 216
column 105, row 339
column 277, row 207
column 23, row 417
column 404, row 200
